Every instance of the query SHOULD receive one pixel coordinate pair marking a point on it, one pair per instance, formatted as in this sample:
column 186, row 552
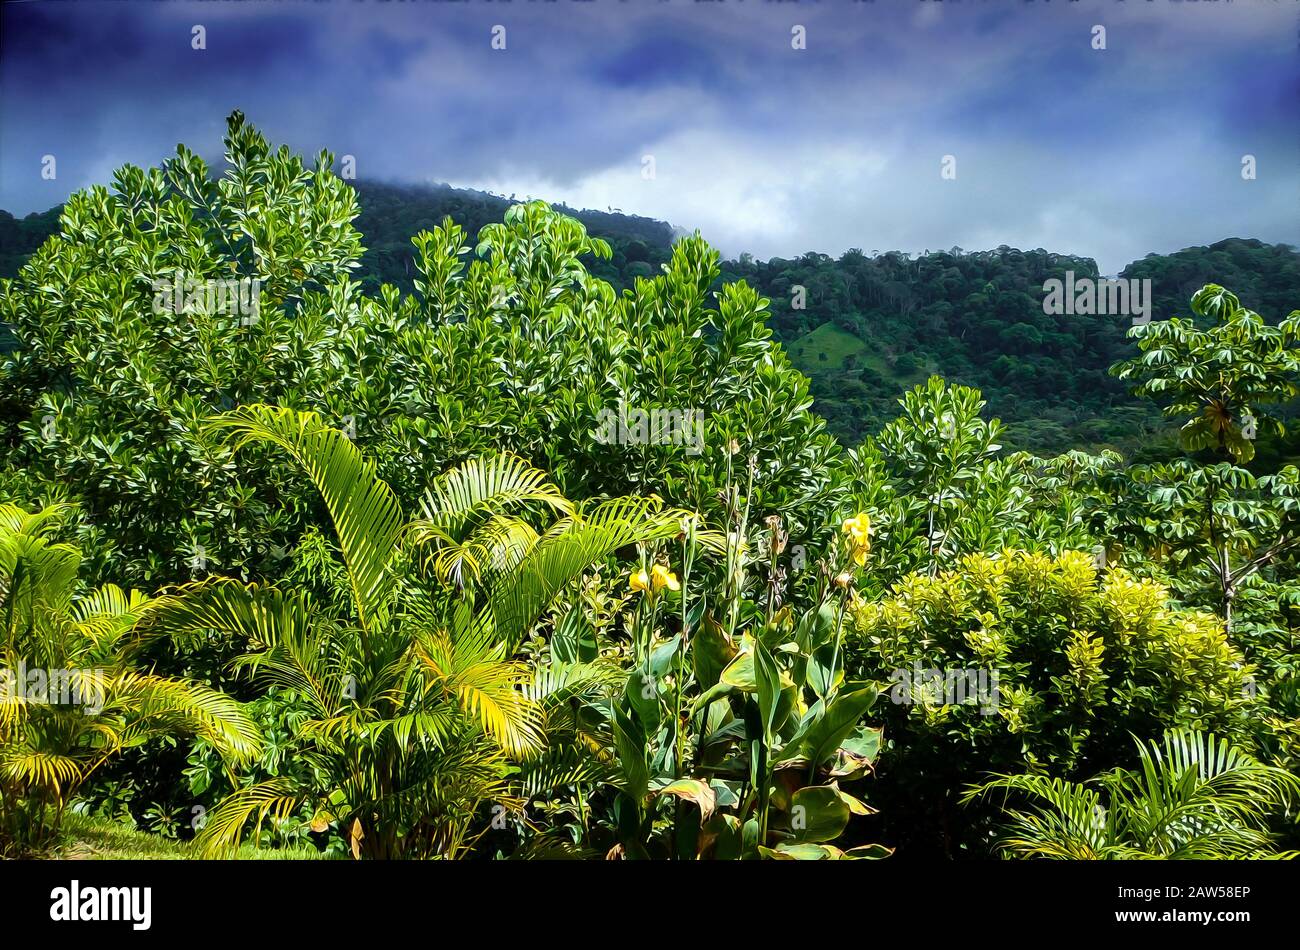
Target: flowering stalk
column 857, row 534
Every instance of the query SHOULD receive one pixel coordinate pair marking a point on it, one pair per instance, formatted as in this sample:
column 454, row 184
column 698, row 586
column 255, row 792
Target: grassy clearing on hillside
column 846, row 352
column 837, row 344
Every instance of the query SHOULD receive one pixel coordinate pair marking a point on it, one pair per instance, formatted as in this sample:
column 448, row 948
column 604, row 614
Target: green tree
column 1221, row 375
column 105, row 396
column 513, row 346
column 71, row 694
column 1219, row 518
column 1213, row 526
column 414, row 695
column 938, row 461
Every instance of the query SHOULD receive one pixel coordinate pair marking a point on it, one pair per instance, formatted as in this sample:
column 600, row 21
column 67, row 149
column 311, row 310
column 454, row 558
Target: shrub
column 1074, row 662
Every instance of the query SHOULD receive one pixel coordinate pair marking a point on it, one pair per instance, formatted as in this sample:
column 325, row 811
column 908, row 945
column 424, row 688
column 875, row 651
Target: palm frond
column 250, row 613
column 1069, row 823
column 480, row 486
column 564, row 552
column 53, row 771
column 224, row 826
column 487, row 688
column 364, row 509
column 16, row 520
column 490, row 551
column 189, row 707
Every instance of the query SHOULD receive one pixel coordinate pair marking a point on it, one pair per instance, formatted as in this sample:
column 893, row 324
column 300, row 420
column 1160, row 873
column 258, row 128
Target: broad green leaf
column 818, row 813
column 819, row 738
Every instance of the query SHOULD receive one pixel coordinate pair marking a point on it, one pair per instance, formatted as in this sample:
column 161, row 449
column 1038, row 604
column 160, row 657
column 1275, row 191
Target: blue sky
column 1109, row 153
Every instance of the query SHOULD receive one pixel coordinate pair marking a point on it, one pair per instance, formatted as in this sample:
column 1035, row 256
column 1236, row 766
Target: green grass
column 98, row 839
column 839, row 345
column 836, row 343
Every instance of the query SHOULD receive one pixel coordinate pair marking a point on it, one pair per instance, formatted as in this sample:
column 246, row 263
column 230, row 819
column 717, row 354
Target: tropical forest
column 358, row 521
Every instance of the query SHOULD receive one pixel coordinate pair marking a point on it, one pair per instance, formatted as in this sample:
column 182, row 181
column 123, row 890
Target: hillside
column 867, row 327
column 390, row 214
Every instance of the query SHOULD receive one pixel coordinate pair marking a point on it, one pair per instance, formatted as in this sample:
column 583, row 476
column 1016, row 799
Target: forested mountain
column 876, row 325
column 869, row 325
column 390, row 214
column 20, row 236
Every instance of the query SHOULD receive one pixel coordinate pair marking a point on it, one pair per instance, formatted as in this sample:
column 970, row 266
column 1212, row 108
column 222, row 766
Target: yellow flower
column 662, row 577
column 858, row 527
column 858, row 531
column 639, row 581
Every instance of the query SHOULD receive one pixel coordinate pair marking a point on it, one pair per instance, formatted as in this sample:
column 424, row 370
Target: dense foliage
column 71, row 695
column 1072, row 660
column 866, row 326
column 539, row 549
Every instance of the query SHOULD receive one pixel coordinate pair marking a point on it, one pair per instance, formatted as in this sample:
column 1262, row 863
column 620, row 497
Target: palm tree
column 417, row 701
column 69, row 697
column 1194, row 796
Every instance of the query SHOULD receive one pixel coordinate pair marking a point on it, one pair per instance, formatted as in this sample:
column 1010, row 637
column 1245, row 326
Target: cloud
column 1106, row 153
